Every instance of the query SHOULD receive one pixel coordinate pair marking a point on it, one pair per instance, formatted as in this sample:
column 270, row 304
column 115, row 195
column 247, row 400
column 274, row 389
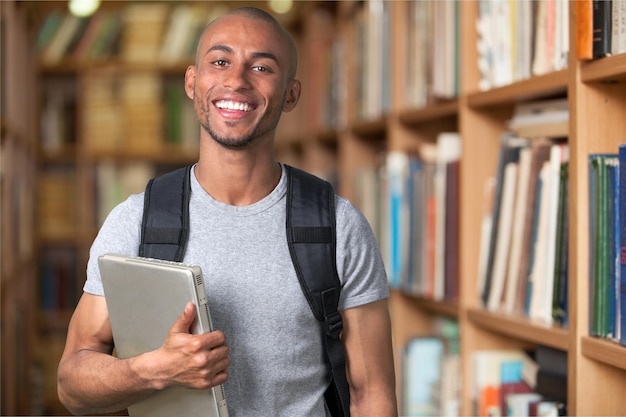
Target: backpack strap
column 310, row 228
column 165, row 224
column 311, row 237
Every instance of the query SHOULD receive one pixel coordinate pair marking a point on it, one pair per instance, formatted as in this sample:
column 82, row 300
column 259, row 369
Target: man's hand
column 193, row 360
column 91, row 381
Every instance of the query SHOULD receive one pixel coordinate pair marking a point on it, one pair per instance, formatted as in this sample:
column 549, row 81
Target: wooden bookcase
column 596, row 95
column 325, row 33
column 18, row 140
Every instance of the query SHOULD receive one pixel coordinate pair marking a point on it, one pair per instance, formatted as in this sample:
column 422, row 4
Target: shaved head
column 255, row 13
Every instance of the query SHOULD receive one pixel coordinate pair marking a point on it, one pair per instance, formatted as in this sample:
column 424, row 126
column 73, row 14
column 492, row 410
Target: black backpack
column 310, row 230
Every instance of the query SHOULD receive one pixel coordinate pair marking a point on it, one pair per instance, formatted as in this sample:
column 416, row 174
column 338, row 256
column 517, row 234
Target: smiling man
column 267, row 349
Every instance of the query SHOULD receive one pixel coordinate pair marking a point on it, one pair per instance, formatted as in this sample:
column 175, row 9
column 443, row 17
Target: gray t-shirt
column 276, row 351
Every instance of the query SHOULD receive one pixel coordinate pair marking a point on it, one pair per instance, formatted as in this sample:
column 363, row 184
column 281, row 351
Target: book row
column 600, row 28
column 607, row 245
column 432, row 51
column 412, row 203
column 524, row 250
column 137, row 32
column 506, row 382
column 142, row 111
column 517, row 40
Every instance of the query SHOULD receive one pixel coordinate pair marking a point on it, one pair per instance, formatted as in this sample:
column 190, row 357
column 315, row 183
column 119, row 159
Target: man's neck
column 238, row 182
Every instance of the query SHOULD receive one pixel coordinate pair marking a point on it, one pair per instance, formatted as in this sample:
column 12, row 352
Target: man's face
column 240, row 84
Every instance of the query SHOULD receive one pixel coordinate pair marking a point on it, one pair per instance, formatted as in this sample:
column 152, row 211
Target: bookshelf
column 112, row 118
column 335, row 133
column 595, row 94
column 17, row 177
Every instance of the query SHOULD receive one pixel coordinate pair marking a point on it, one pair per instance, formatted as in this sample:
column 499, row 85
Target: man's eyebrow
column 225, row 48
column 268, row 55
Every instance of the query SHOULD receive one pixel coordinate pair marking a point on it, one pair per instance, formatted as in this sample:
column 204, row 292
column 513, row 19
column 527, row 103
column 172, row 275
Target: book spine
column 622, row 251
column 601, row 43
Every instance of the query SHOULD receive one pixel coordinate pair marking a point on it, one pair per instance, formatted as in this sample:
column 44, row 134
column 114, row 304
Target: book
column 552, row 386
column 448, row 151
column 510, row 146
column 551, row 359
column 48, row 29
column 601, row 41
column 541, row 118
column 501, row 256
column 451, row 239
column 599, row 245
column 540, row 154
column 559, row 153
column 422, row 371
column 485, row 233
column 561, row 268
column 512, row 274
column 63, row 38
column 518, row 404
column 487, row 378
column 415, row 196
column 535, row 291
column 622, row 237
column 614, row 247
column 397, row 166
column 584, row 29
column 511, row 382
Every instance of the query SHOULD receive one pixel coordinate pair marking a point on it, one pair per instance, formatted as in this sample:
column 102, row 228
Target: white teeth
column 233, row 105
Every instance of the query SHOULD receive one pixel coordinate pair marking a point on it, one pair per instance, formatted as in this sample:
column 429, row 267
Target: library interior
column 480, row 139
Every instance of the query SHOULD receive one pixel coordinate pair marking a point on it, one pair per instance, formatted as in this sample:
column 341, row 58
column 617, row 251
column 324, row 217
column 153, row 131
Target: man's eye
column 220, row 62
column 259, row 68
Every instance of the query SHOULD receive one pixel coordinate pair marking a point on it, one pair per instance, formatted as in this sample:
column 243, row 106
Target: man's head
column 259, row 14
column 244, row 77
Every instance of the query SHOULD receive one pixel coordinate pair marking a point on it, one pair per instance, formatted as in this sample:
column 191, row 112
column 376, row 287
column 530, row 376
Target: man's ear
column 292, row 96
column 190, row 81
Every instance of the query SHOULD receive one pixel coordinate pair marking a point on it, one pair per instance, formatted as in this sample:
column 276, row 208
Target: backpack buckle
column 333, row 324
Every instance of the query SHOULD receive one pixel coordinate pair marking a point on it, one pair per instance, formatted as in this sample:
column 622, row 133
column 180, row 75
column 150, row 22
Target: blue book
column 622, row 205
column 613, row 243
column 415, row 199
column 423, row 358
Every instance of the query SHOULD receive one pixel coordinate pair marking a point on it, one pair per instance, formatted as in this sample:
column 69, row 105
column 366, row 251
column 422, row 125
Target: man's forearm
column 380, row 403
column 92, row 382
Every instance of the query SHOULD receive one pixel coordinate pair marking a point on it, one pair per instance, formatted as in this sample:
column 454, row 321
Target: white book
column 523, row 178
column 504, row 236
column 537, row 274
column 558, row 154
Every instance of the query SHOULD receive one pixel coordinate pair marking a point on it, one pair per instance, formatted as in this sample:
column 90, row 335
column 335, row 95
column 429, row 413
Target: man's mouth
column 233, row 105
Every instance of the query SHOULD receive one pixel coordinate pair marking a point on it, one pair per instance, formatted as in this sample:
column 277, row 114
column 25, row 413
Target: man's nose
column 237, row 78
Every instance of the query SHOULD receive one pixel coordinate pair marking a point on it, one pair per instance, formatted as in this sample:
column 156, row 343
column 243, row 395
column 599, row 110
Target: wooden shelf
column 164, row 155
column 520, row 328
column 609, row 69
column 441, row 308
column 370, row 128
column 604, row 351
column 544, row 86
column 442, row 110
column 478, row 116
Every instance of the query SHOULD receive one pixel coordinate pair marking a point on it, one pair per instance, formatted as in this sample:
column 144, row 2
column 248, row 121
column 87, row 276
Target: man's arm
column 369, row 360
column 92, row 381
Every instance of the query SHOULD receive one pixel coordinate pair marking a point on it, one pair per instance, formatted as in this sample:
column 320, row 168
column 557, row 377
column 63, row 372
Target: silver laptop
column 144, row 298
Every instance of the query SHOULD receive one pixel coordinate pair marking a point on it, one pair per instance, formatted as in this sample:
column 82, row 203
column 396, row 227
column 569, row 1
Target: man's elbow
column 370, row 400
column 64, row 396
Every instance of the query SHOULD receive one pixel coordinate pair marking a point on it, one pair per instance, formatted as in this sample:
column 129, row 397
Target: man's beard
column 241, row 142
column 231, row 142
